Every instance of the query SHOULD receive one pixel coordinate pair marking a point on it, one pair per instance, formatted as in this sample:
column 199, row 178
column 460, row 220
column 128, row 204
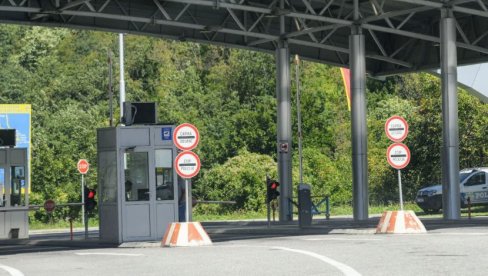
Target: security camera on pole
column 398, row 156
column 187, row 165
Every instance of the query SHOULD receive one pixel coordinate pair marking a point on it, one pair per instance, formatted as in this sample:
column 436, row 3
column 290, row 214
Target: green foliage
column 229, row 95
column 242, row 179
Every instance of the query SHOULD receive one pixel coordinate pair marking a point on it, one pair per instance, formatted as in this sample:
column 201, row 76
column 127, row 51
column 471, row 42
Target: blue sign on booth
column 166, row 134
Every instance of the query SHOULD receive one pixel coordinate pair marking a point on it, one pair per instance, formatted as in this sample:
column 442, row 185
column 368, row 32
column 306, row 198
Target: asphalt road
column 444, row 250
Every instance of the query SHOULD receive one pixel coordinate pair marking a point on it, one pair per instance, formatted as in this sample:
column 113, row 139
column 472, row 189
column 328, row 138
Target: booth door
column 149, row 203
column 166, row 190
column 136, row 209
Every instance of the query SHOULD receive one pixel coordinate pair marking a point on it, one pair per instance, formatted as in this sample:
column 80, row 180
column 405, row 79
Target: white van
column 473, row 185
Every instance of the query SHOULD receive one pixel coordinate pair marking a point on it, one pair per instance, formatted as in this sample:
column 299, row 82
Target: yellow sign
column 18, row 117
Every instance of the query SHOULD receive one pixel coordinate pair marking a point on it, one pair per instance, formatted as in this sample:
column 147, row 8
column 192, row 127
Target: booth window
column 17, row 187
column 107, row 174
column 136, row 176
column 164, row 174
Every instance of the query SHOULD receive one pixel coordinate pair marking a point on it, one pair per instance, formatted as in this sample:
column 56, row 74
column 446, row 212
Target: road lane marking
column 12, row 271
column 109, row 254
column 340, row 239
column 461, row 234
column 347, row 270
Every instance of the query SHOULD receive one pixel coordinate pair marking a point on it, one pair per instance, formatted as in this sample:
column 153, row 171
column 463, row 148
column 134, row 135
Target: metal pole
column 299, row 117
column 110, row 90
column 359, row 131
column 400, row 189
column 86, row 226
column 284, row 131
column 83, row 199
column 190, row 196
column 122, row 80
column 268, row 207
column 187, row 200
column 283, row 83
column 450, row 157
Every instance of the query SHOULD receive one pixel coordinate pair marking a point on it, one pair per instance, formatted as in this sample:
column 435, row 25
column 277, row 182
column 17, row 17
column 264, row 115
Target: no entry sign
column 83, row 166
column 398, row 155
column 396, row 128
column 187, row 164
column 186, row 136
column 49, row 205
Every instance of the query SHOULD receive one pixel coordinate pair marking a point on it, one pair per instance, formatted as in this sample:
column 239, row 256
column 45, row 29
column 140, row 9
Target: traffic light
column 272, row 190
column 90, row 202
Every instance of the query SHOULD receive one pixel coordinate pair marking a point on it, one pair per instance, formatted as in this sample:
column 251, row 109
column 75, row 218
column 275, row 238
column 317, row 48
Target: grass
column 342, row 210
column 240, row 215
column 61, row 224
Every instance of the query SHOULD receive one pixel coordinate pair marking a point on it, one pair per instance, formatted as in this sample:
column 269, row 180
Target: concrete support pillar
column 359, row 132
column 284, row 141
column 450, row 130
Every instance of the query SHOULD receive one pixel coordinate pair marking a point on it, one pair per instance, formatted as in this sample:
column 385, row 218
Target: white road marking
column 347, row 270
column 12, row 271
column 339, row 239
column 461, row 234
column 109, row 254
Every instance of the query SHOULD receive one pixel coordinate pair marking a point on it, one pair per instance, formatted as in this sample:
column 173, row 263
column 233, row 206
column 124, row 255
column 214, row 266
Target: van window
column 477, row 179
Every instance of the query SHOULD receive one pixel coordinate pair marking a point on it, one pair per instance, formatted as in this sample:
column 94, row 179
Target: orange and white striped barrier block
column 185, row 234
column 400, row 222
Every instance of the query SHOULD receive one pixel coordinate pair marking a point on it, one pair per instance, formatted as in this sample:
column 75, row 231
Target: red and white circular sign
column 49, row 205
column 83, row 166
column 396, row 128
column 398, row 155
column 186, row 136
column 187, row 164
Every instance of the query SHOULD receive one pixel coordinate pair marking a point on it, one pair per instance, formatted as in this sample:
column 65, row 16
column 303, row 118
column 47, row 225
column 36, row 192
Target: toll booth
column 14, row 193
column 138, row 186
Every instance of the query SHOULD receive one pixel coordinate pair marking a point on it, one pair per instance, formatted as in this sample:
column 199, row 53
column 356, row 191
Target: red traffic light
column 91, row 194
column 272, row 190
column 274, row 185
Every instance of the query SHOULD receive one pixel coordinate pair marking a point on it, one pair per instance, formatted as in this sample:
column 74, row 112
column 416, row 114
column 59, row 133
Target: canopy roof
column 401, row 35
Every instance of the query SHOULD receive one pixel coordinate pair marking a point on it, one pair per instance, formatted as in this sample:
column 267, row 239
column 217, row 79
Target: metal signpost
column 397, row 154
column 187, row 163
column 83, row 166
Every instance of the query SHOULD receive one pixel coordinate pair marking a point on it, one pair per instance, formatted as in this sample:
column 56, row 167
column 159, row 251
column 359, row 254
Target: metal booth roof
column 401, row 35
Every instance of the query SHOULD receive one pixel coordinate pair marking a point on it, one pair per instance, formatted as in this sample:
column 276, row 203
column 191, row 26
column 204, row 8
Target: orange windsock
column 346, row 77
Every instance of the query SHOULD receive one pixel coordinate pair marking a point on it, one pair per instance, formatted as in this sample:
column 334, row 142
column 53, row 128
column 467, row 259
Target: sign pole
column 187, row 211
column 268, row 207
column 83, row 199
column 400, row 189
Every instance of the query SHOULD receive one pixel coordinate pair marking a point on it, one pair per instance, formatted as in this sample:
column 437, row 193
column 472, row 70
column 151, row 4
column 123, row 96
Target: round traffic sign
column 49, row 205
column 398, row 155
column 186, row 136
column 83, row 166
column 187, row 164
column 396, row 128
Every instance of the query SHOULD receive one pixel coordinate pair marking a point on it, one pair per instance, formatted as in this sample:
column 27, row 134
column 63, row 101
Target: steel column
column 450, row 131
column 358, row 124
column 284, row 141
